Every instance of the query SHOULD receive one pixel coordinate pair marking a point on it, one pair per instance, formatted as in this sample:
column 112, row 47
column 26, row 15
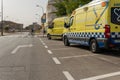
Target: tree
column 65, row 7
column 61, row 10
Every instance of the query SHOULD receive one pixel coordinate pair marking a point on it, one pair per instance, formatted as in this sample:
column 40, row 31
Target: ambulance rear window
column 115, row 15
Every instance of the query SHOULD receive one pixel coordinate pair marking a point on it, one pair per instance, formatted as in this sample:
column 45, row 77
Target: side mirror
column 66, row 25
column 50, row 27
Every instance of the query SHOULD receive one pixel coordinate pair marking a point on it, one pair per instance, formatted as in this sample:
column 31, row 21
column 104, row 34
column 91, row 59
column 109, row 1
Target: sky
column 23, row 11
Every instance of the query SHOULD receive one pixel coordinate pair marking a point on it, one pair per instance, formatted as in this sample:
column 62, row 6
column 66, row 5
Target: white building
column 50, row 14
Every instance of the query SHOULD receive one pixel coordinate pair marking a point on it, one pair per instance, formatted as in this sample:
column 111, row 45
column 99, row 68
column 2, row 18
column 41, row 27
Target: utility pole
column 43, row 18
column 41, row 8
column 1, row 17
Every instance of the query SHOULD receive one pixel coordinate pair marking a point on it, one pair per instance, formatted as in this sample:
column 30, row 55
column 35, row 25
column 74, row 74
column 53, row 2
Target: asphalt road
column 23, row 57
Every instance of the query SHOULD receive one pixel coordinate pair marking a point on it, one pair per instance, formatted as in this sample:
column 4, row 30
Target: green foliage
column 61, row 10
column 65, row 7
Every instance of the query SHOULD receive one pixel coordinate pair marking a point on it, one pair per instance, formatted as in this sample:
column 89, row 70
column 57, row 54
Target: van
column 96, row 24
column 55, row 30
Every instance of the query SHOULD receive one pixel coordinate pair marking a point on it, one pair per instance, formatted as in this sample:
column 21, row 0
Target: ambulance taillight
column 107, row 31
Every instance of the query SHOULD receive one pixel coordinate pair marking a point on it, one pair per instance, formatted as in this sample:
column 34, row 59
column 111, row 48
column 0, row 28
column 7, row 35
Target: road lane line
column 78, row 56
column 68, row 75
column 61, row 49
column 20, row 46
column 30, row 45
column 50, row 52
column 15, row 50
column 56, row 60
column 43, row 43
column 35, row 36
column 107, row 60
column 46, row 46
column 41, row 40
column 103, row 76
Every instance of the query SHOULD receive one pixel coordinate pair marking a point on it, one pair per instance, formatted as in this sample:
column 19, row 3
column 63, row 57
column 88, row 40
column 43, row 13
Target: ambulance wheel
column 66, row 42
column 119, row 50
column 94, row 46
column 49, row 37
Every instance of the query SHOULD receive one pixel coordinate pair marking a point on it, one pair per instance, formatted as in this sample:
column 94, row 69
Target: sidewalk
column 6, row 34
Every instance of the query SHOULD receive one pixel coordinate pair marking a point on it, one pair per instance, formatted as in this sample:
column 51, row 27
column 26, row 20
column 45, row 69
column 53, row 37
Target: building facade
column 11, row 26
column 50, row 14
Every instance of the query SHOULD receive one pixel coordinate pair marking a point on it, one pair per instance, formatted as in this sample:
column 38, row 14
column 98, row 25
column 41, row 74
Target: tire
column 66, row 42
column 119, row 50
column 49, row 37
column 94, row 46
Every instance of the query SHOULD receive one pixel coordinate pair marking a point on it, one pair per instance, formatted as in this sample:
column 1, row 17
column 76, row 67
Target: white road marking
column 103, row 76
column 56, row 44
column 30, row 45
column 50, row 52
column 15, row 50
column 41, row 40
column 56, row 60
column 107, row 60
column 43, row 43
column 78, row 56
column 68, row 75
column 46, row 46
column 35, row 36
column 20, row 46
column 60, row 49
column 104, row 59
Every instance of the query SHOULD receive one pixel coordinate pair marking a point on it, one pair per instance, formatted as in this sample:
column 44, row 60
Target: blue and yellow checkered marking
column 85, row 34
column 115, row 35
column 91, row 34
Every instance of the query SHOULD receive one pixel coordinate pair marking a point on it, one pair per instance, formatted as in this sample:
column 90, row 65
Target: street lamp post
column 42, row 18
column 37, row 18
column 41, row 7
column 1, row 17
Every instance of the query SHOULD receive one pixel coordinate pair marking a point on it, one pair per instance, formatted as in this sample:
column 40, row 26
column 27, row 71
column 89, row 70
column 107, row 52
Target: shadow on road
column 114, row 53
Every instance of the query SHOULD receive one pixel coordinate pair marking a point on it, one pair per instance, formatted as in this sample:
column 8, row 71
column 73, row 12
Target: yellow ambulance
column 96, row 24
column 55, row 30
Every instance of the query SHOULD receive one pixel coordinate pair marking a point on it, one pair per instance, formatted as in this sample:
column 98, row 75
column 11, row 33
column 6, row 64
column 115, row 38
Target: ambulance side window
column 53, row 25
